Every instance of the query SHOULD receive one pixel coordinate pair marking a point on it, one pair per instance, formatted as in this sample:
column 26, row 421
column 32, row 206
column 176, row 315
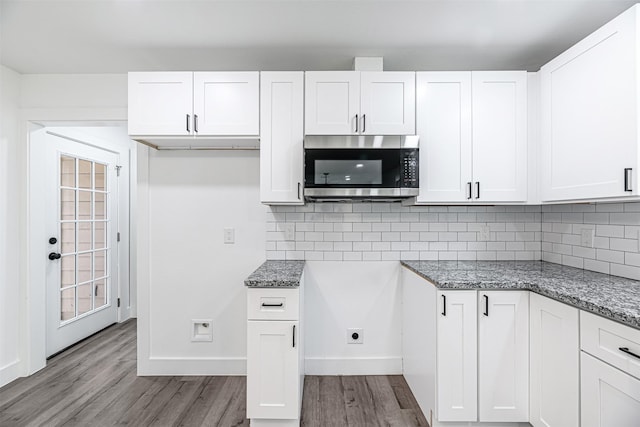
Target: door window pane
column 68, row 237
column 68, row 304
column 84, row 236
column 100, row 264
column 100, row 176
column 67, row 171
column 100, row 206
column 68, row 271
column 100, row 235
column 84, row 204
column 101, row 295
column 84, row 267
column 84, row 174
column 84, row 298
column 67, row 205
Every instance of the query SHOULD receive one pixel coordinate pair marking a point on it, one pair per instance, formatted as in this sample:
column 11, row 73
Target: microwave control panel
column 410, row 168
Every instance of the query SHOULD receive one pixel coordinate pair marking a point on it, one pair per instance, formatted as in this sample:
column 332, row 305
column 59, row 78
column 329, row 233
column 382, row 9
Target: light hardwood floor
column 94, row 384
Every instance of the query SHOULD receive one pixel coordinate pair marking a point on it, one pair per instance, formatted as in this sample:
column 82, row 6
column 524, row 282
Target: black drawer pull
column 444, row 305
column 272, row 305
column 486, row 305
column 294, row 336
column 629, row 352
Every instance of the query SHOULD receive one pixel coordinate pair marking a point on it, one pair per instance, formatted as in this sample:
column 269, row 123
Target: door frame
column 33, row 295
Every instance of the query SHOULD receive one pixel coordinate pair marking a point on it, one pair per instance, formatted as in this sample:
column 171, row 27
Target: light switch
column 229, row 235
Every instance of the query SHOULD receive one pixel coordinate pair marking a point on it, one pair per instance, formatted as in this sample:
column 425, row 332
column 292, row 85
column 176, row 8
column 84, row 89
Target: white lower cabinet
column 275, row 367
column 610, row 397
column 554, row 363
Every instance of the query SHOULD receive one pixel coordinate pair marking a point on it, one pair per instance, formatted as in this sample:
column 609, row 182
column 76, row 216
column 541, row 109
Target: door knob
column 53, row 240
column 54, row 256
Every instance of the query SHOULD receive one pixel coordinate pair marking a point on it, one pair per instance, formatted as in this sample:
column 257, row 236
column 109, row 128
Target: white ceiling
column 94, row 36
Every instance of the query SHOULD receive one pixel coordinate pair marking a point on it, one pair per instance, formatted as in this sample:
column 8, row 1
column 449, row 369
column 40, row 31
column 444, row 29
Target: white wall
column 193, row 196
column 341, row 295
column 11, row 297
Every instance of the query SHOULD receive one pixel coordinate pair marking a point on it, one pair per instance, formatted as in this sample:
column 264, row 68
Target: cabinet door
column 499, row 136
column 609, row 397
column 281, row 136
column 332, row 103
column 444, row 125
column 503, row 356
column 457, row 370
column 272, row 370
column 590, row 115
column 388, row 103
column 554, row 362
column 160, row 104
column 226, row 104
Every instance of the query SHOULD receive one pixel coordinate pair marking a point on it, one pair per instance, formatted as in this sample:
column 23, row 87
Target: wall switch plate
column 229, row 235
column 484, row 234
column 586, row 237
column 289, row 232
column 201, row 330
column 355, row 336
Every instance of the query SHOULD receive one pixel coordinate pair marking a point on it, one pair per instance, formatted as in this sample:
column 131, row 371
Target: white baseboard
column 192, row 366
column 10, row 372
column 353, row 366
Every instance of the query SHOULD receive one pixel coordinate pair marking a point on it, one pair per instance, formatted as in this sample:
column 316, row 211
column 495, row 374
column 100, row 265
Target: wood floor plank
column 95, row 384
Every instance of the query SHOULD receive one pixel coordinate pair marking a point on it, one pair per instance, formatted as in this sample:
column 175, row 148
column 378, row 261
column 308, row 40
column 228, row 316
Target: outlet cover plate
column 359, row 339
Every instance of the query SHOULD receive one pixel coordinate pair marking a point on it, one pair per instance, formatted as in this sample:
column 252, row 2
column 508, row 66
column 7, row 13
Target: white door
column 388, row 103
column 444, row 126
column 332, row 103
column 590, row 115
column 81, row 199
column 609, row 397
column 499, row 109
column 555, row 363
column 457, row 367
column 503, row 356
column 272, row 369
column 226, row 103
column 281, row 137
column 160, row 103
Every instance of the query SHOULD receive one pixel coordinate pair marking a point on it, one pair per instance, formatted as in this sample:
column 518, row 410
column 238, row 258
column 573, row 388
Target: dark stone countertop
column 276, row 274
column 613, row 297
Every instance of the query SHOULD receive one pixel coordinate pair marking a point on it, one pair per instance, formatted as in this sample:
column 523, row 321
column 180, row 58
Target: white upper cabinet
column 281, row 136
column 590, row 116
column 503, row 356
column 387, row 103
column 499, row 135
column 161, row 103
column 359, row 103
column 187, row 104
column 226, row 103
column 443, row 108
column 473, row 136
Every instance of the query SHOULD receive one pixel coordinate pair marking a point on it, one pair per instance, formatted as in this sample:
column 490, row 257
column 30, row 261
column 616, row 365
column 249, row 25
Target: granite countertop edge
column 276, row 274
column 602, row 305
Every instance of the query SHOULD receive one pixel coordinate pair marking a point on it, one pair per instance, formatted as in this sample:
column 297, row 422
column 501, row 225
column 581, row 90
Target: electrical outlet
column 201, row 330
column 484, row 234
column 355, row 336
column 289, row 232
column 586, row 237
column 229, row 235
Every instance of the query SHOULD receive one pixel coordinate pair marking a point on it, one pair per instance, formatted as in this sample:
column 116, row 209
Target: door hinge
column 118, row 237
column 118, row 167
column 118, row 302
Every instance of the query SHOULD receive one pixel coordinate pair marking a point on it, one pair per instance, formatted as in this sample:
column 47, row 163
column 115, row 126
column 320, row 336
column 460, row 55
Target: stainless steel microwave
column 361, row 167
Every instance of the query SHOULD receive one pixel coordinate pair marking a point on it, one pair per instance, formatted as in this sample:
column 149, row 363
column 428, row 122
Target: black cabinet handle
column 195, row 123
column 272, row 305
column 364, row 122
column 298, row 191
column 188, row 120
column 294, row 336
column 477, row 189
column 444, row 305
column 627, row 179
column 486, row 305
column 356, row 123
column 469, row 190
column 629, row 352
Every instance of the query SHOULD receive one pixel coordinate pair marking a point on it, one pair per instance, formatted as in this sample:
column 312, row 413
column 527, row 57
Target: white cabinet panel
column 457, row 360
column 226, row 103
column 281, row 138
column 332, row 102
column 554, row 363
column 610, row 398
column 160, row 103
column 272, row 370
column 590, row 115
column 503, row 356
column 387, row 103
column 444, row 125
column 500, row 135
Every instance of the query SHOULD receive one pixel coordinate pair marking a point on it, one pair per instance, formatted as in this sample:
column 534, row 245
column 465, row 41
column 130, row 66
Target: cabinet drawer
column 273, row 304
column 611, row 341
